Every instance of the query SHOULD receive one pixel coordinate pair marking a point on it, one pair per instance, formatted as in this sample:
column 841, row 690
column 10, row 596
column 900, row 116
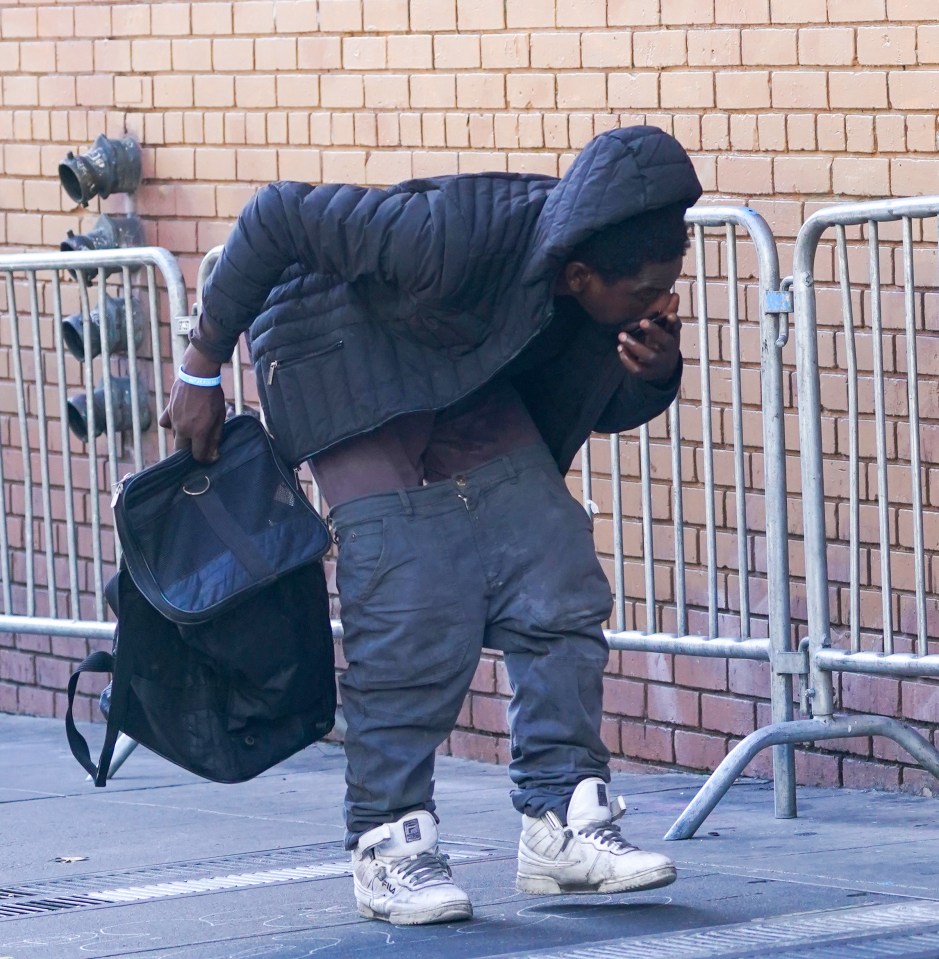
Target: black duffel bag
column 223, row 654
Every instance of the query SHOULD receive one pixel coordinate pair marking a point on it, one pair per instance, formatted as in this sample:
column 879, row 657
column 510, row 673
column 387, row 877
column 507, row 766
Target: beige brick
column 170, row 20
column 440, row 163
column 410, row 52
column 174, row 163
column 215, row 164
column 93, row 22
column 799, row 90
column 433, row 14
column 173, row 91
column 19, row 22
column 741, row 11
column 295, row 17
column 744, row 176
column 927, row 44
column 193, row 127
column 857, row 90
column 214, row 91
column 341, row 130
column 831, row 132
column 256, row 92
column 913, row 177
column 749, row 90
column 480, row 14
column 212, row 19
column 316, row 53
column 344, row 91
column 259, row 166
column 505, row 131
column 826, row 45
column 545, row 164
column 298, row 128
column 633, row 90
column 434, row 91
column 457, row 126
column 893, row 46
column 479, row 161
column 686, row 12
column 890, row 130
column 580, row 129
column 580, row 13
column 530, row 131
column 706, row 169
column 715, row 132
column 913, row 90
column 190, row 56
column 555, row 50
column 713, row 47
column 802, row 174
column 686, row 90
column 531, row 91
column 505, row 51
column 52, row 91
column 800, row 131
column 582, row 90
column 433, row 130
column 797, row 11
column 340, row 16
column 390, row 130
column 54, row 22
column 10, row 57
column 235, row 56
column 525, row 14
column 852, row 11
column 75, row 56
column 363, row 53
column 607, row 49
column 482, row 135
column 861, row 176
column 386, row 167
column 387, row 92
column 457, row 52
column 151, row 56
column 743, row 136
column 344, row 166
column 297, row 91
column 632, row 13
column 687, row 130
column 273, row 54
column 253, row 16
column 38, row 57
column 921, row 133
column 660, row 48
column 860, row 132
column 385, row 16
column 909, row 10
column 771, row 132
column 769, row 47
column 480, row 90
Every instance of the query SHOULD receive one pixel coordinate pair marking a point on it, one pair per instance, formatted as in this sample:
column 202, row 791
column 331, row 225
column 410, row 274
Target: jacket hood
column 618, row 175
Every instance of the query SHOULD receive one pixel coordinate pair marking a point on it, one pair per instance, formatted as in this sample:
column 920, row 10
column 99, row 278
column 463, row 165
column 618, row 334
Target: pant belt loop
column 510, row 468
column 406, row 503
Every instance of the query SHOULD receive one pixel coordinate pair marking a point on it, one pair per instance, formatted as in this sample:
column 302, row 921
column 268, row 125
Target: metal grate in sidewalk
column 219, row 874
column 884, row 932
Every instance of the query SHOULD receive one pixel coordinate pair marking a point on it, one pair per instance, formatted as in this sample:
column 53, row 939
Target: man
column 438, row 352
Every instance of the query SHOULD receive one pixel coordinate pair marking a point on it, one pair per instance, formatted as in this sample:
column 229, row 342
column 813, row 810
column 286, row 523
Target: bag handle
column 98, row 662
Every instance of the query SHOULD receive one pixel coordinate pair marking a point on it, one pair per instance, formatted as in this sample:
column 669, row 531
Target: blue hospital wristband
column 199, row 380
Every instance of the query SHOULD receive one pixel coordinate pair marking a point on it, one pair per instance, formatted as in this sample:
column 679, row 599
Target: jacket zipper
column 280, row 364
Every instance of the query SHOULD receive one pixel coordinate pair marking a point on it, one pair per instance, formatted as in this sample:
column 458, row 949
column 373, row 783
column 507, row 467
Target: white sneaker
column 588, row 854
column 402, row 877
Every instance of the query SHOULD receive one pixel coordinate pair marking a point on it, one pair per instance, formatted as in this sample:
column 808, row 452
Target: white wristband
column 200, row 380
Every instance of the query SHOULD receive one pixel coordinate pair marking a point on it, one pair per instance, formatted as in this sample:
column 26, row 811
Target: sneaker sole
column 546, row 886
column 449, row 912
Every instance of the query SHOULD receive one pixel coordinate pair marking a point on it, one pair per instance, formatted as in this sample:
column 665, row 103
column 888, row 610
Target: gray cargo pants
column 501, row 557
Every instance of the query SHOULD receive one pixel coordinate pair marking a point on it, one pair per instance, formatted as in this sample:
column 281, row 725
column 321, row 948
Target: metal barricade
column 864, row 434
column 665, row 462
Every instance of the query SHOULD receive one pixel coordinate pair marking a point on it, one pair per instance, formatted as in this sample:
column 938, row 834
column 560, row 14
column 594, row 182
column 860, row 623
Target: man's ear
column 577, row 276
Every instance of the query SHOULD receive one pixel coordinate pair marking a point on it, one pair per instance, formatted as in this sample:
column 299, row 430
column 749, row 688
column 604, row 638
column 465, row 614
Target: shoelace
column 607, row 834
column 426, row 867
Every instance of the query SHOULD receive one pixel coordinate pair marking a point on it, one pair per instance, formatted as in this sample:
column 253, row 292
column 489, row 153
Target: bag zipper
column 280, row 364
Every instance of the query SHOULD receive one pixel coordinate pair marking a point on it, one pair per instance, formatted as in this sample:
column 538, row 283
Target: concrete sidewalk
column 162, row 865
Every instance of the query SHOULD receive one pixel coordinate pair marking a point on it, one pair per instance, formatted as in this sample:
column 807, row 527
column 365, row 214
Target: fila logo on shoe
column 412, row 830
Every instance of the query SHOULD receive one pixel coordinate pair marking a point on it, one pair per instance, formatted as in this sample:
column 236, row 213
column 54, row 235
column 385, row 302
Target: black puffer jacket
column 391, row 301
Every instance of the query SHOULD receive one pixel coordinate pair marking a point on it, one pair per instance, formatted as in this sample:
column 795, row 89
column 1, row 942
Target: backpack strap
column 99, row 662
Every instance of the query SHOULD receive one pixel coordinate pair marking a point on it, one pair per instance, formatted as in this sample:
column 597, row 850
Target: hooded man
column 437, row 352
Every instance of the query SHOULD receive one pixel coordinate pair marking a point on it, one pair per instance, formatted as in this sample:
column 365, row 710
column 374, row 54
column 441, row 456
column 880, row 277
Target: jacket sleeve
column 636, row 402
column 345, row 231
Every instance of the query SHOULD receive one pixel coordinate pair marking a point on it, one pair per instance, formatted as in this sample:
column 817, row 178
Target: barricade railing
column 100, row 336
column 863, row 433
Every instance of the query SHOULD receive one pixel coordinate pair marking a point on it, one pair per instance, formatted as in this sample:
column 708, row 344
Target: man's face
column 624, row 302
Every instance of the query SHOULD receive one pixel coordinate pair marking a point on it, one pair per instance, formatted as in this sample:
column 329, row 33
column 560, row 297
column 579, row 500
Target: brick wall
column 786, row 105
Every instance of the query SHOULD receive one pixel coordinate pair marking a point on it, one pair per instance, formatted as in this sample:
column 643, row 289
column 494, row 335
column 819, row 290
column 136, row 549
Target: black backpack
column 223, row 654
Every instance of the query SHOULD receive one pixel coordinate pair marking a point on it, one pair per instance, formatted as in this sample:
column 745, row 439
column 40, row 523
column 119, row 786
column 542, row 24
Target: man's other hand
column 651, row 349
